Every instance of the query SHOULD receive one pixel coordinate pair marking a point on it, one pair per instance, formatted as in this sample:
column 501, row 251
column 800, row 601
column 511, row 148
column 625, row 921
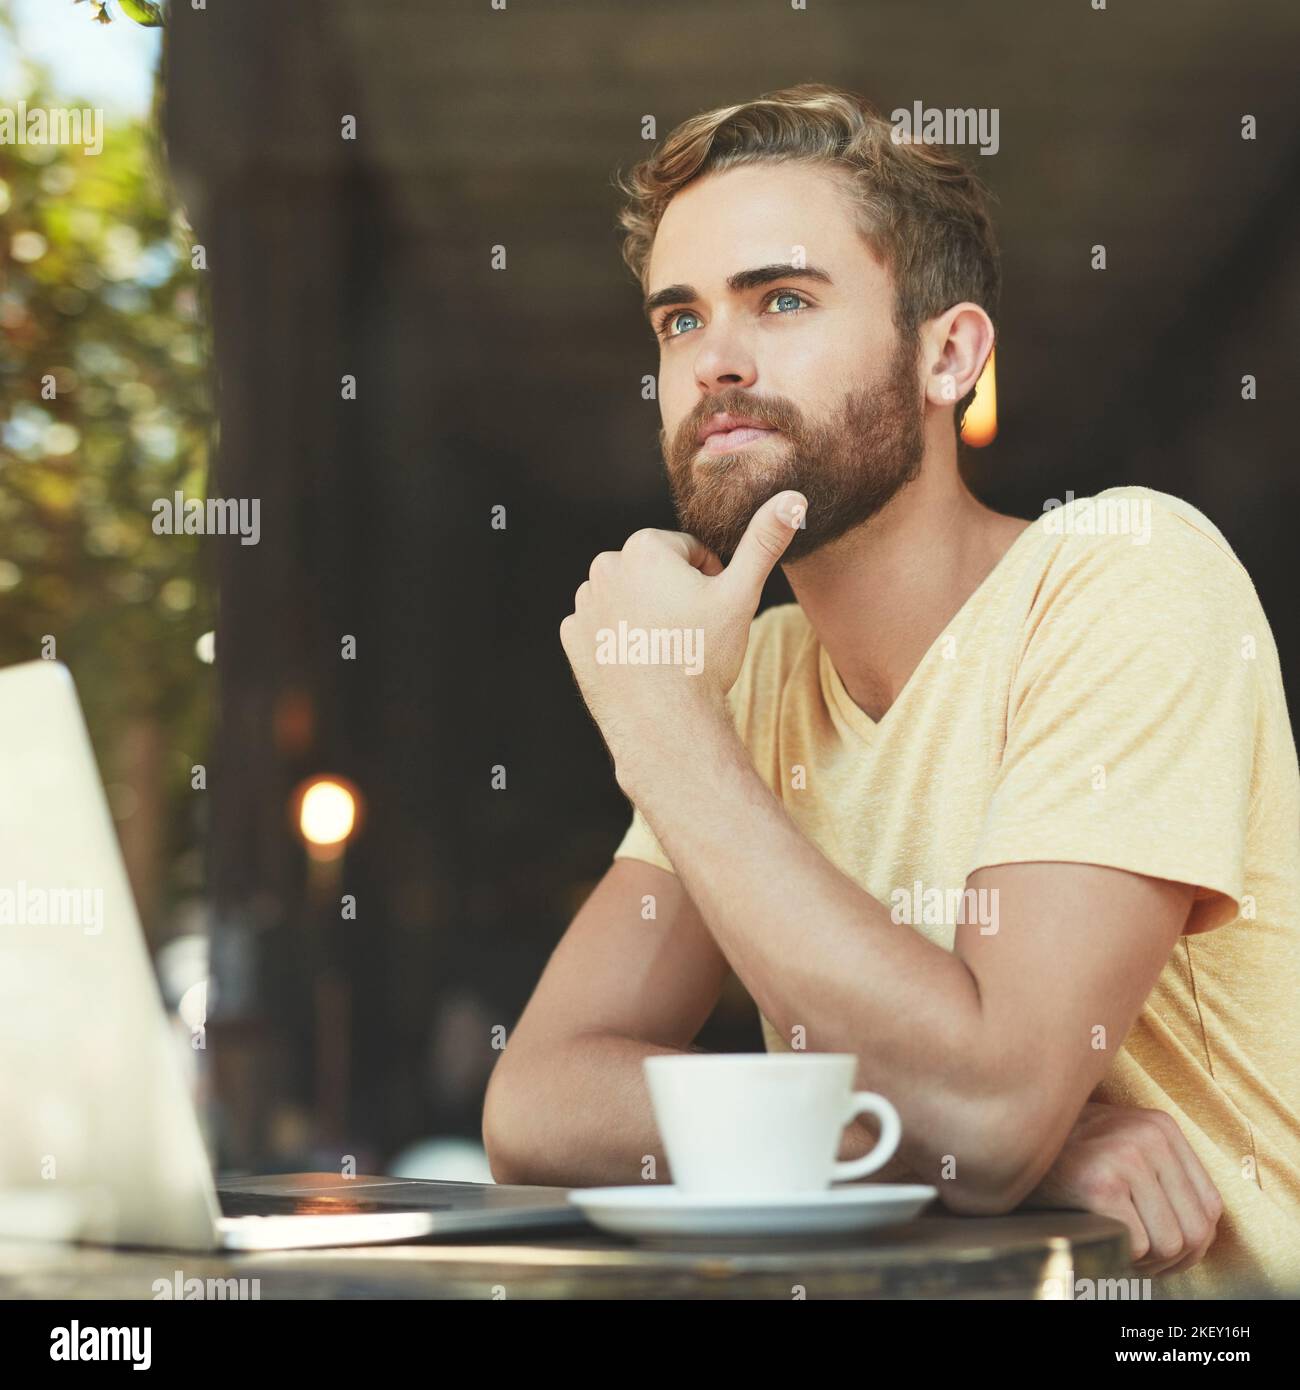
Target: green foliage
column 98, row 301
column 142, row 11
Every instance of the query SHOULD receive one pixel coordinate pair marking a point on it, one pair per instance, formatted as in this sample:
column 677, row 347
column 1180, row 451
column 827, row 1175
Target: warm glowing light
column 206, row 648
column 327, row 812
column 980, row 427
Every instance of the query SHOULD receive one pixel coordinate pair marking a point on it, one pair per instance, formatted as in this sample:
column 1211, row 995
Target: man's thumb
column 770, row 531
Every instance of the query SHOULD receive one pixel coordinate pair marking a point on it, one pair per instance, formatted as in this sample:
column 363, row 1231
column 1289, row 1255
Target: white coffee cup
column 752, row 1122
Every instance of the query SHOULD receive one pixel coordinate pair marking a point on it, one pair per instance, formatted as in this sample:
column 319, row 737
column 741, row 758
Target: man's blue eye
column 672, row 319
column 796, row 306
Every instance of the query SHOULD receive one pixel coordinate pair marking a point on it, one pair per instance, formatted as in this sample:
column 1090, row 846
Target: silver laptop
column 99, row 1141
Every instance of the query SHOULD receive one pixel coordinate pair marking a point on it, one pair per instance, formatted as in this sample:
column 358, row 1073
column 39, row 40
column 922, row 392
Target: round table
column 1023, row 1256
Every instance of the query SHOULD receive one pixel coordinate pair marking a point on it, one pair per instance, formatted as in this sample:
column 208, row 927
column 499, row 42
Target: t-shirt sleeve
column 1133, row 715
column 640, row 843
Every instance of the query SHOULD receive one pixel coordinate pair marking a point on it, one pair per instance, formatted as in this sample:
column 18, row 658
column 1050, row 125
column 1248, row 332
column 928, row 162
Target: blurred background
column 357, row 791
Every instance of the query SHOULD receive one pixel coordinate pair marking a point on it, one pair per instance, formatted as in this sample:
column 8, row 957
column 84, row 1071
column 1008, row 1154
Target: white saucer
column 661, row 1209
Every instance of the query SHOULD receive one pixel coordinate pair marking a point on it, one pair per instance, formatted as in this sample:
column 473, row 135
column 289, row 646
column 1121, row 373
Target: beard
column 848, row 467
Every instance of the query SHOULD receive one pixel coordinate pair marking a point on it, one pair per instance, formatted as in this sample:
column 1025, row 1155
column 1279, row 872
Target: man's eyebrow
column 740, row 281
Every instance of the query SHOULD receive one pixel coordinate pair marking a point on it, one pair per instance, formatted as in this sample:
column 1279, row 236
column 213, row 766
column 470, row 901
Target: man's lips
column 725, row 441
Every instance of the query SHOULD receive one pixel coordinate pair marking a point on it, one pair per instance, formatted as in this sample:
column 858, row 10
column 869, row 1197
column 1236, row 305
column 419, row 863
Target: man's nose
column 724, row 361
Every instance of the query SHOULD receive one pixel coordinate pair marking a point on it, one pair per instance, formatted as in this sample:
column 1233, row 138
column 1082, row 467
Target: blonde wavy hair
column 923, row 213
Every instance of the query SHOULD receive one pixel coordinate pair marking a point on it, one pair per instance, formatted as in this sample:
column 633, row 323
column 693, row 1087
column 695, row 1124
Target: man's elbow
column 1012, row 1153
column 499, row 1130
column 500, row 1164
column 980, row 1195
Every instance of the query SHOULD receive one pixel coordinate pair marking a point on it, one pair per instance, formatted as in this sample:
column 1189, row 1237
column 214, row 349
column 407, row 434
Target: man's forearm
column 821, row 958
column 579, row 1115
column 576, row 1114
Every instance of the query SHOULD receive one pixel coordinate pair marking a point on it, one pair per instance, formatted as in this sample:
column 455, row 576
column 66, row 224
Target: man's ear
column 956, row 345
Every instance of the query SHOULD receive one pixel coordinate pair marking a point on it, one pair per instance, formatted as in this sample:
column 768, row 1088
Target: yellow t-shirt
column 1110, row 694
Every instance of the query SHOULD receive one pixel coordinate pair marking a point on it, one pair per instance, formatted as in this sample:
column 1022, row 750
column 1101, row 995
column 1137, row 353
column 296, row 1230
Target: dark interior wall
column 522, row 387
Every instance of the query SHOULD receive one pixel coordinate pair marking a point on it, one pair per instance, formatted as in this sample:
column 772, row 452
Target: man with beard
column 1077, row 724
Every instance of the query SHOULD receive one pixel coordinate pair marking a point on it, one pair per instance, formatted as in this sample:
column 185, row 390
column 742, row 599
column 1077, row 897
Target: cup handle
column 891, row 1131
